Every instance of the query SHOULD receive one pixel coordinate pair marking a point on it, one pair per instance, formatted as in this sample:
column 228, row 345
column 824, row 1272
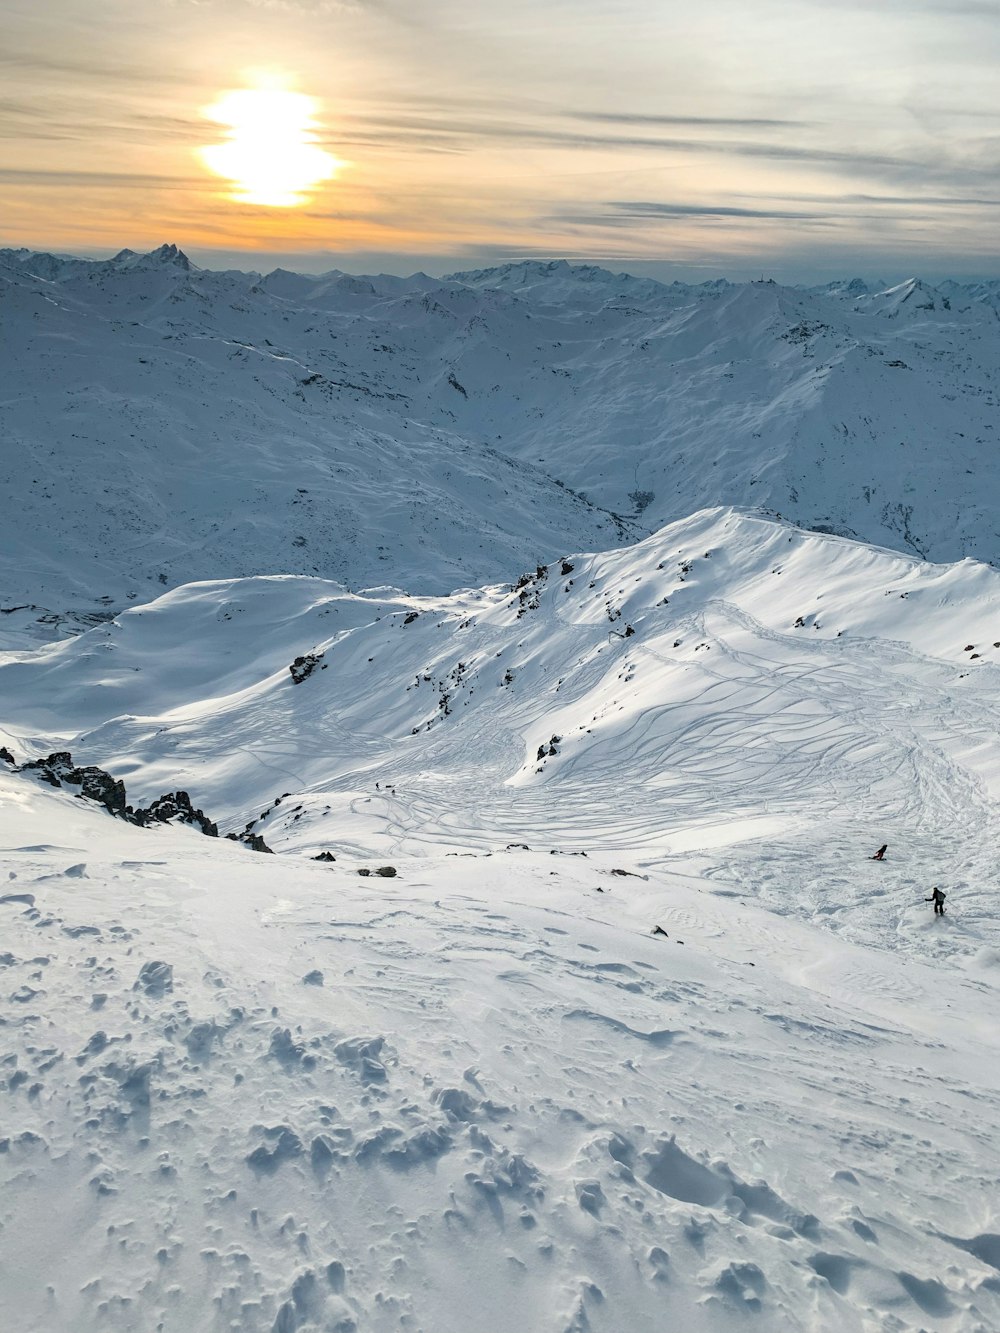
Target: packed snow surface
column 261, row 1094
column 270, row 1094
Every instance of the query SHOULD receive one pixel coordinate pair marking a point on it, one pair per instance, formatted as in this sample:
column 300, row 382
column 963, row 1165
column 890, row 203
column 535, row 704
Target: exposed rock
column 175, row 806
column 95, row 784
column 52, row 769
column 304, row 666
column 58, row 770
column 252, row 840
column 325, row 856
column 6, row 756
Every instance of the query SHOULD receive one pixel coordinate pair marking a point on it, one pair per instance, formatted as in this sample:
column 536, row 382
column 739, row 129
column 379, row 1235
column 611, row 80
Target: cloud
column 644, row 208
column 118, row 180
column 465, row 133
column 906, row 200
column 29, row 62
column 26, row 122
column 946, row 9
column 638, row 213
column 708, row 122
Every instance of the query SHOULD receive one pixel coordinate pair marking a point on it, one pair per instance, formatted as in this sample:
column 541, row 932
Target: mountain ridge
column 545, row 406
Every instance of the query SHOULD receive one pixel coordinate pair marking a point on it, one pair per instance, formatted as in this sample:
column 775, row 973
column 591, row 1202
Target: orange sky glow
column 607, row 130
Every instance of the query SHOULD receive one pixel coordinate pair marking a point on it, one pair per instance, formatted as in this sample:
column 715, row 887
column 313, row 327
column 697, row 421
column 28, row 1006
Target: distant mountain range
column 163, row 424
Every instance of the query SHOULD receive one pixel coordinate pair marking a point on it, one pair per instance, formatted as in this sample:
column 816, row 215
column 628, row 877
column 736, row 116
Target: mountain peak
column 170, row 254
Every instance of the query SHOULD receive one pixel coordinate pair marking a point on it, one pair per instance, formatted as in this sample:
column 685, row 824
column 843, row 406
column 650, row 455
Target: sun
column 270, row 154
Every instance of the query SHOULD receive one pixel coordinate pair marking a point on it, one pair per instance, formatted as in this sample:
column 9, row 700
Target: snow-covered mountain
column 163, row 424
column 635, row 1036
column 571, row 641
column 730, row 678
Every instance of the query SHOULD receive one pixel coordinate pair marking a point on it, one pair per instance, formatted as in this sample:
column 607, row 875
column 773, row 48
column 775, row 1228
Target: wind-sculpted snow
column 163, row 424
column 266, row 1095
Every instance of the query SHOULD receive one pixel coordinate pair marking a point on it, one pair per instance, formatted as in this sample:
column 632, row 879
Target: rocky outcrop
column 304, row 666
column 252, row 840
column 58, row 770
column 175, row 807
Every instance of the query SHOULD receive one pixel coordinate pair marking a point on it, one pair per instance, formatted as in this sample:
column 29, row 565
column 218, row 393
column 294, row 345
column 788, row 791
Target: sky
column 799, row 139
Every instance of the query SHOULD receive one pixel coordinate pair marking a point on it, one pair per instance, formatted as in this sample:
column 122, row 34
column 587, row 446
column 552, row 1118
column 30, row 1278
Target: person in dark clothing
column 880, row 853
column 937, row 898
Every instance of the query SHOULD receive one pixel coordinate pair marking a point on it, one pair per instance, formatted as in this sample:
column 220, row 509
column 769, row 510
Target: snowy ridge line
column 99, row 787
column 779, row 688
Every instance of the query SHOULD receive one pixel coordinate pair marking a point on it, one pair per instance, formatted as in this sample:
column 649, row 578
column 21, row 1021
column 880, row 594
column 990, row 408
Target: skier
column 937, row 898
column 881, row 853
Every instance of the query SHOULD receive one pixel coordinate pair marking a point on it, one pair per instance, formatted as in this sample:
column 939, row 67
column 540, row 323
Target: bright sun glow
column 270, row 154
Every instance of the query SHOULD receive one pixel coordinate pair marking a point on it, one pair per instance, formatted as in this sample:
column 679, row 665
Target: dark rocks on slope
column 95, row 784
column 59, row 771
column 304, row 666
column 175, row 806
column 252, row 840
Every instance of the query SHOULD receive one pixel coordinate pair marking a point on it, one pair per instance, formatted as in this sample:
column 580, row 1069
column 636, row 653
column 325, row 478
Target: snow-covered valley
column 601, row 1018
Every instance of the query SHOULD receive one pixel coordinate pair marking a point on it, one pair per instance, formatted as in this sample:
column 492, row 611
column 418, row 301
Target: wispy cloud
column 705, row 122
column 80, row 66
column 467, row 133
column 649, row 209
column 946, row 9
column 116, row 180
column 900, row 200
column 842, row 209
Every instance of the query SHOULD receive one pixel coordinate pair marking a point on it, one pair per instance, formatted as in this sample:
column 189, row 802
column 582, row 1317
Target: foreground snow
column 479, row 1097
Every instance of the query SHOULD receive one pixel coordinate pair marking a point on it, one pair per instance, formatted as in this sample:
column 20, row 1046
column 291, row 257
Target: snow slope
column 780, row 692
column 257, row 1093
column 264, row 1093
column 163, row 424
